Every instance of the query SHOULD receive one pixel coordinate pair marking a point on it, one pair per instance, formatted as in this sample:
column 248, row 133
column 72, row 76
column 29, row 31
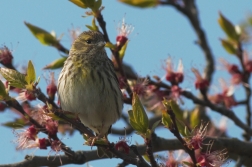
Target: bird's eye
column 88, row 41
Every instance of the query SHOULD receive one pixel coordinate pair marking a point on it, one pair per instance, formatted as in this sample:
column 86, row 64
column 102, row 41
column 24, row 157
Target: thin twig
column 235, row 148
column 190, row 11
column 176, row 133
column 222, row 110
column 141, row 161
column 14, row 104
column 149, row 152
column 246, row 86
column 115, row 52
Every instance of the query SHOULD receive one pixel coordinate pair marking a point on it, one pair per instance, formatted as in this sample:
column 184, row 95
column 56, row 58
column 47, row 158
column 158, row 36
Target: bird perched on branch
column 88, row 85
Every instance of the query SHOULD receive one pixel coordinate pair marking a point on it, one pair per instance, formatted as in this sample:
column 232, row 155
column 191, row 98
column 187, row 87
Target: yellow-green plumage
column 88, row 85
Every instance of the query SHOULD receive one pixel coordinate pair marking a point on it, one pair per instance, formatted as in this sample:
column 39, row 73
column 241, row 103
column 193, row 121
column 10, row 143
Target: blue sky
column 159, row 32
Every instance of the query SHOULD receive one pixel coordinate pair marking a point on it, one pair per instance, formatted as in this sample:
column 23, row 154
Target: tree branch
column 191, row 12
column 115, row 53
column 234, row 147
column 224, row 111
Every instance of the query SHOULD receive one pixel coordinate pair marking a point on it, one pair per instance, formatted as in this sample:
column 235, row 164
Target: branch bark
column 235, row 148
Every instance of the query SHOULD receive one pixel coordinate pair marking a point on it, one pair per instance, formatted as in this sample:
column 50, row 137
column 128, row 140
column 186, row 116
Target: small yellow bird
column 88, row 85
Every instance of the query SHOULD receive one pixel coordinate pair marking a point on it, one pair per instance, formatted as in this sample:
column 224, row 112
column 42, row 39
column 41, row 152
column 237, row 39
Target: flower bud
column 124, row 30
column 29, row 95
column 51, row 126
column 233, row 69
column 248, row 66
column 31, row 132
column 201, row 84
column 5, row 56
column 122, row 146
column 43, row 143
column 51, row 89
column 2, row 106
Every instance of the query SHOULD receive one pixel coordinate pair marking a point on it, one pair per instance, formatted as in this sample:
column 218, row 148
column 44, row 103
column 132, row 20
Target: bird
column 88, row 85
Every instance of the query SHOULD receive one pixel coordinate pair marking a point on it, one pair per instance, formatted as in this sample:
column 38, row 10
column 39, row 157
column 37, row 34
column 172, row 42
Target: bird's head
column 88, row 42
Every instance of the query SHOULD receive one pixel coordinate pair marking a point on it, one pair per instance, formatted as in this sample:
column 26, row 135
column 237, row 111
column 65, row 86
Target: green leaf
column 122, row 50
column 89, row 3
column 97, row 5
column 181, row 127
column 195, row 117
column 79, row 3
column 110, row 45
column 133, row 122
column 141, row 3
column 90, row 27
column 30, row 73
column 56, row 64
column 177, row 111
column 146, row 158
column 228, row 28
column 18, row 123
column 3, row 93
column 92, row 4
column 43, row 36
column 187, row 132
column 166, row 120
column 139, row 114
column 14, row 78
column 229, row 46
column 95, row 27
column 155, row 125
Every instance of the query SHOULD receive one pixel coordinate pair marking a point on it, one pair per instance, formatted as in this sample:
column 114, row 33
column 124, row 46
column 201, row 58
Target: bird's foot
column 97, row 140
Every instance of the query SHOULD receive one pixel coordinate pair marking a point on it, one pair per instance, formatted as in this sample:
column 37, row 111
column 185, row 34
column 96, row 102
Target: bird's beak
column 101, row 44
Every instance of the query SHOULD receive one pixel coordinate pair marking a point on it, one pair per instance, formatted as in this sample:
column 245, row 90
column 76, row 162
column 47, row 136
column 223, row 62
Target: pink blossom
column 56, row 147
column 174, row 77
column 200, row 82
column 226, row 97
column 5, row 56
column 195, row 140
column 26, row 95
column 122, row 145
column 25, row 136
column 43, row 143
column 174, row 159
column 51, row 126
column 141, row 86
column 51, row 88
column 237, row 76
column 40, row 115
column 212, row 159
column 124, row 30
column 171, row 162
